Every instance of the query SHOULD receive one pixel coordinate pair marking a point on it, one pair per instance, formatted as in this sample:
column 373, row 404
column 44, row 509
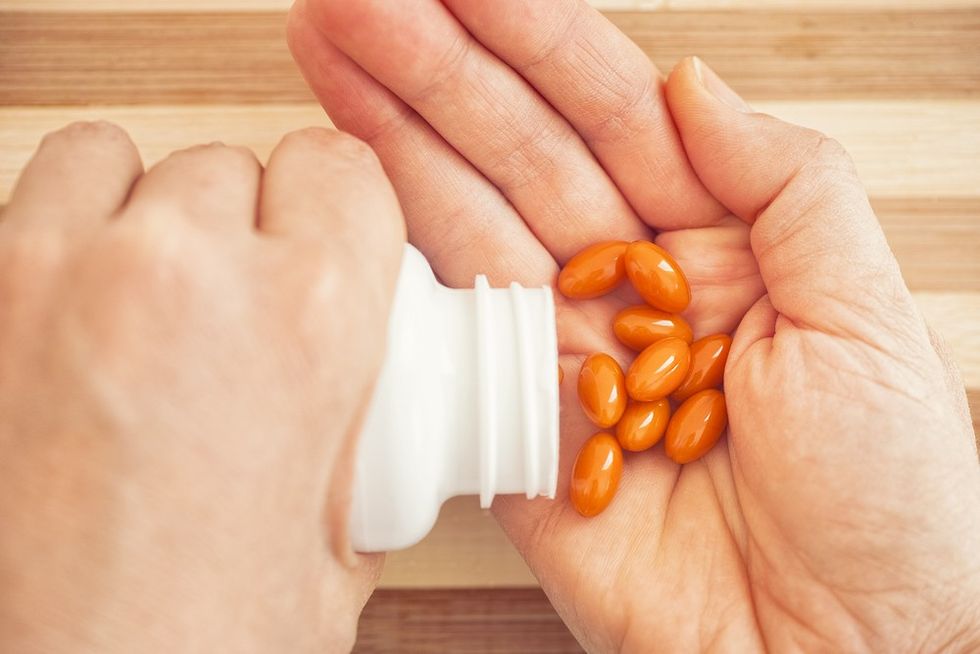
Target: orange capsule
column 642, row 424
column 638, row 326
column 696, row 426
column 561, row 374
column 658, row 370
column 657, row 277
column 708, row 358
column 602, row 389
column 594, row 271
column 596, row 473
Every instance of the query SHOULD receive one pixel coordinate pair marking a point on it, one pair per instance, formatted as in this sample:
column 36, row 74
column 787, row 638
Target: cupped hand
column 842, row 512
column 184, row 357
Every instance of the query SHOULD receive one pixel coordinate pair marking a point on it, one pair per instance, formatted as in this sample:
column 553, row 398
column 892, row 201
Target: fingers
column 609, row 91
column 79, row 176
column 214, row 186
column 814, row 234
column 453, row 214
column 326, row 192
column 329, row 186
column 487, row 112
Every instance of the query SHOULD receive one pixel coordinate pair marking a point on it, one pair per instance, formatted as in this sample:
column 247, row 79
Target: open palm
column 518, row 132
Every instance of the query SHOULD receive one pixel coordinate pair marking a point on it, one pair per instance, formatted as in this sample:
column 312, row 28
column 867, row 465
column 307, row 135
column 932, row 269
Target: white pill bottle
column 466, row 404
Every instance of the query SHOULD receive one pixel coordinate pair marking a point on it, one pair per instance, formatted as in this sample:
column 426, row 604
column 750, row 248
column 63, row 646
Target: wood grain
column 898, row 82
column 482, row 621
column 902, row 148
column 154, row 58
column 605, row 5
column 935, row 240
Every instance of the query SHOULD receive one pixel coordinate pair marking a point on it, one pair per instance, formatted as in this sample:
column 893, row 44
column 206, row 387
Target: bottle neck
column 502, row 404
column 466, row 404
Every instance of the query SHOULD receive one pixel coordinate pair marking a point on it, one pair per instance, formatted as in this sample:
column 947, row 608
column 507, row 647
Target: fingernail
column 717, row 87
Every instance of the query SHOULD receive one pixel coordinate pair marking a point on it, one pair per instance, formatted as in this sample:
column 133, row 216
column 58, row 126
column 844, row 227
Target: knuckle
column 626, row 111
column 335, row 145
column 527, row 157
column 448, row 68
column 829, row 154
column 100, row 131
column 328, row 279
column 139, row 263
column 214, row 166
column 219, row 156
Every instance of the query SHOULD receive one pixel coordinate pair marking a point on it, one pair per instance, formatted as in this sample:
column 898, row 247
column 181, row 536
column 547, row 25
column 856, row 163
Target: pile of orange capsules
column 670, row 390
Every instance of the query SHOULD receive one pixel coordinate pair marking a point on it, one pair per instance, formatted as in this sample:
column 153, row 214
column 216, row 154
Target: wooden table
column 898, row 82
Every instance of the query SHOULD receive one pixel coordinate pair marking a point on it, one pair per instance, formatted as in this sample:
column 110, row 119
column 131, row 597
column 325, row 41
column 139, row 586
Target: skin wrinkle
column 388, row 128
column 836, row 589
column 447, row 70
column 561, row 33
column 762, row 591
column 527, row 159
column 711, row 572
column 614, row 124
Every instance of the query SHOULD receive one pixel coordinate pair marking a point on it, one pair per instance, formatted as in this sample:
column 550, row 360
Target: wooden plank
column 903, row 149
column 153, row 58
column 816, row 5
column 146, row 58
column 99, row 6
column 605, row 5
column 804, row 54
column 462, row 621
column 936, row 240
column 466, row 548
column 957, row 317
column 922, row 149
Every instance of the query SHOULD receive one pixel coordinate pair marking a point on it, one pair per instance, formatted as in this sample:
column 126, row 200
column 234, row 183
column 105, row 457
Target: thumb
column 821, row 252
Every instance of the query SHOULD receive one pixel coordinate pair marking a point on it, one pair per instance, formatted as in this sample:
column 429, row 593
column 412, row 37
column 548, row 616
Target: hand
column 184, row 358
column 843, row 510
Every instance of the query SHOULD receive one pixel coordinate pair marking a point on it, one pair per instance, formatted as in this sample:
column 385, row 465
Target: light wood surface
column 897, row 82
column 902, row 148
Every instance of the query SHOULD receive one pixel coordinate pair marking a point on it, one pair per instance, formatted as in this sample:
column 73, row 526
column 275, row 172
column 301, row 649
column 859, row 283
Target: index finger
column 610, row 92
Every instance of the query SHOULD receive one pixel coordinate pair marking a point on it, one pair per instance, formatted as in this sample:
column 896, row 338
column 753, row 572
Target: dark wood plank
column 147, row 58
column 462, row 621
column 833, row 54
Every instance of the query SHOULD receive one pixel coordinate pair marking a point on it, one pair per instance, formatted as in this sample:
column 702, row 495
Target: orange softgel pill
column 658, row 370
column 596, row 473
column 639, row 326
column 602, row 389
column 642, row 425
column 696, row 426
column 656, row 276
column 594, row 271
column 708, row 358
